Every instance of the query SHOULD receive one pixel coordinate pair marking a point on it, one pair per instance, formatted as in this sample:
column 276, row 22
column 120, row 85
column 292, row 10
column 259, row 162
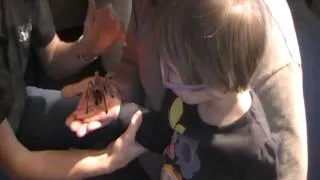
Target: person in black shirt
column 211, row 124
column 27, row 25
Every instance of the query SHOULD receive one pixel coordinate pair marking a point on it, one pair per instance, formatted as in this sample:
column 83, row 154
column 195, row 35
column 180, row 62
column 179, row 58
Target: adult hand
column 90, row 115
column 125, row 148
column 102, row 28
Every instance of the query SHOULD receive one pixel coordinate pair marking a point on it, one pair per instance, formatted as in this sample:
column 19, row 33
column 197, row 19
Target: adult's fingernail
column 94, row 125
column 74, row 126
column 82, row 131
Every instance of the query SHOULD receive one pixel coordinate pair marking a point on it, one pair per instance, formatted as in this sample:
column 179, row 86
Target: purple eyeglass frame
column 180, row 87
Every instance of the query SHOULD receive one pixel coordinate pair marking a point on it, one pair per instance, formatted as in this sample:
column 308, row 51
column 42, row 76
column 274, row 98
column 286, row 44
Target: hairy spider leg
column 90, row 88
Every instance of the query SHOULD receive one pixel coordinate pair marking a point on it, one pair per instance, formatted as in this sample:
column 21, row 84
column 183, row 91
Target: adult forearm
column 294, row 159
column 288, row 123
column 20, row 163
column 73, row 164
column 66, row 60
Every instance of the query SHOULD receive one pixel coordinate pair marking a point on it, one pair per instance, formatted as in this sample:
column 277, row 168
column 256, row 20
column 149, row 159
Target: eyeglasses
column 173, row 86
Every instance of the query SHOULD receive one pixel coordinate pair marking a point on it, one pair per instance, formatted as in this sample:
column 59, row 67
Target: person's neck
column 225, row 110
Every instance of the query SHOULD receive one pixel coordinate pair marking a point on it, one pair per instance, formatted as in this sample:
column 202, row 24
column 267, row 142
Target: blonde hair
column 214, row 42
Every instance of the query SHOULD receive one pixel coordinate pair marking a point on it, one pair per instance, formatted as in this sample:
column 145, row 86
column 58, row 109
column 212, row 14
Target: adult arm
column 126, row 71
column 284, row 106
column 64, row 58
column 72, row 164
column 279, row 86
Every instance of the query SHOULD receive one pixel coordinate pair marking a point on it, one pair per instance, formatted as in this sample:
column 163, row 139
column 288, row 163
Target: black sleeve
column 263, row 165
column 6, row 98
column 6, row 95
column 43, row 27
column 154, row 133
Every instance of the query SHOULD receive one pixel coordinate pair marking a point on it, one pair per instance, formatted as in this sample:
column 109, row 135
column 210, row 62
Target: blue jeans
column 42, row 124
column 43, row 127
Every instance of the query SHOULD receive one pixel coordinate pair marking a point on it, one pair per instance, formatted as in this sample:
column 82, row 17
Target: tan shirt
column 278, row 80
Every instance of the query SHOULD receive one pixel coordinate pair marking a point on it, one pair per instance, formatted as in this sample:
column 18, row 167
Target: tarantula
column 99, row 88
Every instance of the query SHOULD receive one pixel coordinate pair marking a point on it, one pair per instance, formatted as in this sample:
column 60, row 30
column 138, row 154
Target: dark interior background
column 307, row 22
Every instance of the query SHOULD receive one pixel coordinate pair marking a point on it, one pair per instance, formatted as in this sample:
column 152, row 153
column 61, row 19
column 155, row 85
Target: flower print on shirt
column 168, row 172
column 187, row 157
column 170, row 150
column 175, row 113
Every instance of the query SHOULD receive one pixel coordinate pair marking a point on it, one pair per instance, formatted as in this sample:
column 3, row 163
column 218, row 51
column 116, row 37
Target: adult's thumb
column 134, row 125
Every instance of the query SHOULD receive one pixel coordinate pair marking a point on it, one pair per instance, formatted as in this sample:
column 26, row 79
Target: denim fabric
column 43, row 127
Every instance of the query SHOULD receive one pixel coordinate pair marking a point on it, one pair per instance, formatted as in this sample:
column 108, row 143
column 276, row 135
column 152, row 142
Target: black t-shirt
column 5, row 94
column 25, row 24
column 194, row 150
